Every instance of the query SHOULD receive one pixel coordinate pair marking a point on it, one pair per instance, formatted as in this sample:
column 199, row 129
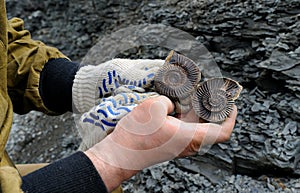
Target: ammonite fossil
column 214, row 98
column 177, row 79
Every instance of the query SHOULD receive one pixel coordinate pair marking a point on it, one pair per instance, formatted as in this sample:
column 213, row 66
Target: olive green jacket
column 21, row 61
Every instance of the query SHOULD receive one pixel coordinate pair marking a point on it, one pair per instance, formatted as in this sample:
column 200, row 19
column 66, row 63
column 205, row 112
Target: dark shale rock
column 254, row 42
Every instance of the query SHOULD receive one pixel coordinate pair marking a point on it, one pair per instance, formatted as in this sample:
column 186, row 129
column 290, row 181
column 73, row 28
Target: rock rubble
column 254, row 42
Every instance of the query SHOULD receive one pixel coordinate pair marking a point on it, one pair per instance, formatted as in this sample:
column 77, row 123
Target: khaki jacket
column 21, row 61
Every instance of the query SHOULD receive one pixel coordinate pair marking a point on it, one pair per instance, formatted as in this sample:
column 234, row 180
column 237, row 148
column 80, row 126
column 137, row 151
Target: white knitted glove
column 94, row 82
column 102, row 119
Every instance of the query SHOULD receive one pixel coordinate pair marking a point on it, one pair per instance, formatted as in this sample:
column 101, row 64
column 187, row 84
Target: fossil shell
column 178, row 77
column 182, row 108
column 214, row 98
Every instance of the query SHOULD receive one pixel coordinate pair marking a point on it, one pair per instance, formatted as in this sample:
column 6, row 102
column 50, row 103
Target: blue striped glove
column 97, row 123
column 92, row 83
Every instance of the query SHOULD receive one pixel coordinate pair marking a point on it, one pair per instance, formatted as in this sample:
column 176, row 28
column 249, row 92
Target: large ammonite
column 177, row 79
column 214, row 98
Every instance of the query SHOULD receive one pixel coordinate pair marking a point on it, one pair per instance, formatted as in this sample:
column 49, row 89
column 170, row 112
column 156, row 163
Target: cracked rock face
column 253, row 42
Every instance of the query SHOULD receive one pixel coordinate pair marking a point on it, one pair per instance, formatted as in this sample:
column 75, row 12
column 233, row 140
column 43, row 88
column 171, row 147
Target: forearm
column 25, row 62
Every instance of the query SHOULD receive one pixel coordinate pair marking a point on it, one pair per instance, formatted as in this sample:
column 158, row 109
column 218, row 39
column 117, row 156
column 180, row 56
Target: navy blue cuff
column 75, row 174
column 56, row 81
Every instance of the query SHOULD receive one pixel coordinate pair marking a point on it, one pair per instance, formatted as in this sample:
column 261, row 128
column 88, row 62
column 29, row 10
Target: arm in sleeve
column 75, row 174
column 26, row 61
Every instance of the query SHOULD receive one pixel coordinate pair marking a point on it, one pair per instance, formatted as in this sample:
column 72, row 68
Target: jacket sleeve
column 26, row 59
column 10, row 180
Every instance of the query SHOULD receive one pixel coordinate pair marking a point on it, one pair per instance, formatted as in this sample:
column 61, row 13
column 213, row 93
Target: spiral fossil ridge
column 179, row 79
column 214, row 98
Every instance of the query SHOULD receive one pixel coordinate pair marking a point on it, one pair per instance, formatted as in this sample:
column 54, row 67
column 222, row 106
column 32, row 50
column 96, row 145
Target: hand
column 99, row 121
column 147, row 135
column 94, row 82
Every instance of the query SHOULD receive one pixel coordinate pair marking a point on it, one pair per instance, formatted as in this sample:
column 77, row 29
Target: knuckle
column 226, row 136
column 194, row 147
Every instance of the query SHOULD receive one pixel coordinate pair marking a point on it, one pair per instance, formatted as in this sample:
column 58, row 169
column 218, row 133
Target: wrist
column 112, row 176
column 55, row 84
column 85, row 87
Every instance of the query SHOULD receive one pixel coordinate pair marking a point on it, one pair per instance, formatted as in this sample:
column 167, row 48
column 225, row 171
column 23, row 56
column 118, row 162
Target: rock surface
column 253, row 42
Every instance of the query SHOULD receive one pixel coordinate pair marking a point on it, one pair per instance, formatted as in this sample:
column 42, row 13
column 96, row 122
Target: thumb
column 148, row 116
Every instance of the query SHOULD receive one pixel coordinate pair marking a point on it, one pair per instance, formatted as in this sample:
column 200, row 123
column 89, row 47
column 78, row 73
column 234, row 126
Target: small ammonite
column 178, row 77
column 213, row 101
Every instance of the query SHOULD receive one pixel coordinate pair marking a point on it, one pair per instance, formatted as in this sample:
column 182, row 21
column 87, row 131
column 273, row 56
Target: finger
column 148, row 116
column 228, row 124
column 209, row 133
column 215, row 133
column 189, row 117
column 192, row 136
column 165, row 102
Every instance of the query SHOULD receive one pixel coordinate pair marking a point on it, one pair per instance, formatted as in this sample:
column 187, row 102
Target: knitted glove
column 102, row 119
column 94, row 82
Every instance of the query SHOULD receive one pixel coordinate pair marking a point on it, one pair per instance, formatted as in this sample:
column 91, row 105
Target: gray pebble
column 256, row 107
